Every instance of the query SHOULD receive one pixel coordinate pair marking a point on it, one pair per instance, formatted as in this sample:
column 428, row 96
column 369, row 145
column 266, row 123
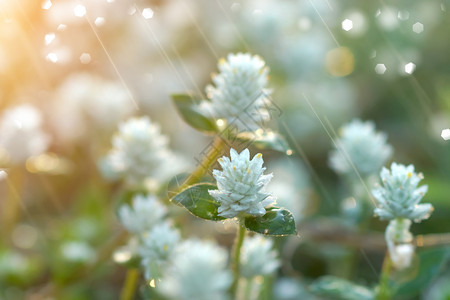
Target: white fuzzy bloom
column 402, row 255
column 140, row 152
column 241, row 185
column 198, row 271
column 84, row 100
column 446, row 134
column 363, row 146
column 156, row 247
column 144, row 213
column 399, row 195
column 21, row 134
column 239, row 93
column 258, row 257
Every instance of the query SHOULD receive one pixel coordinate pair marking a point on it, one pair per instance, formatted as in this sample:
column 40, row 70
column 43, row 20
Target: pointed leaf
column 276, row 221
column 187, row 107
column 338, row 288
column 198, row 201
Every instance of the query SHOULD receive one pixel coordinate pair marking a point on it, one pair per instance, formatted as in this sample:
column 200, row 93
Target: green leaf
column 276, row 221
column 338, row 288
column 198, row 201
column 266, row 140
column 431, row 263
column 187, row 107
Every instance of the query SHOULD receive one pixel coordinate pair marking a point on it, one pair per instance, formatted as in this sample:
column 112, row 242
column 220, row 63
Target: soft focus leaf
column 337, row 288
column 431, row 263
column 266, row 140
column 187, row 107
column 198, row 201
column 276, row 221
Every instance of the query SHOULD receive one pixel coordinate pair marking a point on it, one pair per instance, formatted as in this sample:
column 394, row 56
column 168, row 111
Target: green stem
column 236, row 263
column 384, row 290
column 129, row 287
column 207, row 162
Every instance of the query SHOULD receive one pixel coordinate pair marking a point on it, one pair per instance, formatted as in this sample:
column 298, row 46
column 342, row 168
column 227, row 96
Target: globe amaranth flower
column 399, row 195
column 21, row 134
column 87, row 102
column 156, row 247
column 363, row 146
column 241, row 185
column 258, row 257
column 139, row 152
column 197, row 270
column 144, row 213
column 239, row 93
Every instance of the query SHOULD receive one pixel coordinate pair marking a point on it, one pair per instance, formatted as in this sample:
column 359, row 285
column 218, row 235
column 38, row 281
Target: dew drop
column 99, row 21
column 79, row 11
column 49, row 37
column 52, row 57
column 147, row 13
column 46, row 4
column 85, row 58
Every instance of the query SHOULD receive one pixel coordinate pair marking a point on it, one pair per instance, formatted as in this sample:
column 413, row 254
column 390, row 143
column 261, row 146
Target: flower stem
column 384, row 290
column 236, row 268
column 131, row 281
column 207, row 162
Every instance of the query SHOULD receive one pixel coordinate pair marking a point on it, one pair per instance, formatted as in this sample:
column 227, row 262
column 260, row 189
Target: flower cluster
column 359, row 145
column 139, row 152
column 241, row 185
column 156, row 238
column 258, row 257
column 85, row 97
column 198, row 270
column 21, row 134
column 239, row 92
column 399, row 196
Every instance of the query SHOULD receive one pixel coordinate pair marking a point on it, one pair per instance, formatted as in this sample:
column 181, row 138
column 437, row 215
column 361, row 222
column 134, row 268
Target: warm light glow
column 340, row 62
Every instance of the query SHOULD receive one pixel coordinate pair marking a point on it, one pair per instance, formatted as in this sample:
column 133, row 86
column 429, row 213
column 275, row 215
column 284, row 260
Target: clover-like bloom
column 399, row 195
column 156, row 247
column 363, row 146
column 239, row 93
column 21, row 134
column 139, row 152
column 258, row 257
column 144, row 213
column 241, row 185
column 198, row 271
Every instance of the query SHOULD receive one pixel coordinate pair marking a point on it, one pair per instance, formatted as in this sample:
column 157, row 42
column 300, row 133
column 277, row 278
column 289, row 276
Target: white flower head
column 140, row 152
column 258, row 257
column 84, row 101
column 21, row 134
column 239, row 93
column 363, row 146
column 144, row 213
column 399, row 195
column 198, row 270
column 241, row 185
column 156, row 247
